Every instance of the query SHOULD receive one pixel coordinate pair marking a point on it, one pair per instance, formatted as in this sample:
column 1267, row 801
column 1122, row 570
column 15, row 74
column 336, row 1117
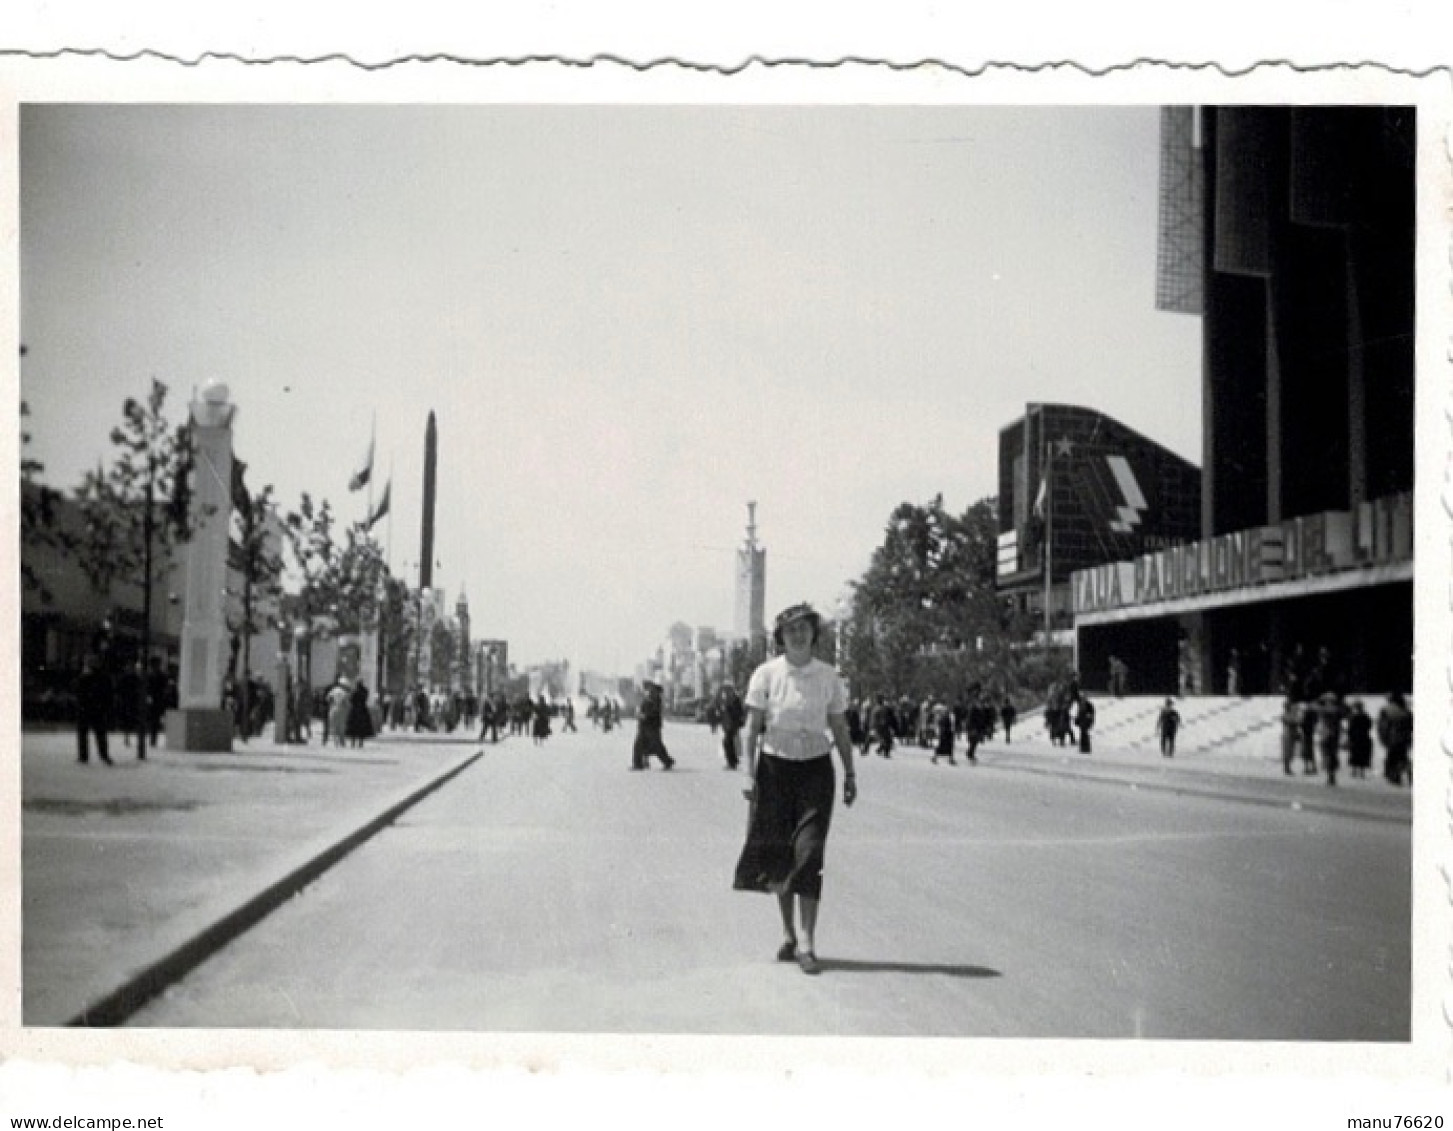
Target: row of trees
column 925, row 618
column 136, row 512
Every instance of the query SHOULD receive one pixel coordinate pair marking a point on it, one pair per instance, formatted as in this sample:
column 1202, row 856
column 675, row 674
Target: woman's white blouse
column 797, row 702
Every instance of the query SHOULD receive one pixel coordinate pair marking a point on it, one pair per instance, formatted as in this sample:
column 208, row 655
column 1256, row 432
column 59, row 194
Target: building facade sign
column 1379, row 532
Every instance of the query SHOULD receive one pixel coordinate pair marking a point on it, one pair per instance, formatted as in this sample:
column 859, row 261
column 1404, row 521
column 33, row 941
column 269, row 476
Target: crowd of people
column 1321, row 725
column 134, row 702
column 1317, row 731
column 1320, row 721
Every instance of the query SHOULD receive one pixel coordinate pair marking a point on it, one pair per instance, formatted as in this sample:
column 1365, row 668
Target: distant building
column 66, row 616
column 1292, row 231
column 492, row 666
column 553, row 679
column 1079, row 489
column 464, row 670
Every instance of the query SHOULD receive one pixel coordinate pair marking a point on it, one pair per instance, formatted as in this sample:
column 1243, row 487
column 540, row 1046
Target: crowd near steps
column 1244, row 726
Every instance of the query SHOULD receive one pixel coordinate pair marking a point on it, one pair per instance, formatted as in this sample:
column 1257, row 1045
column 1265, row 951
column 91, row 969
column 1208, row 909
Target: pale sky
column 629, row 321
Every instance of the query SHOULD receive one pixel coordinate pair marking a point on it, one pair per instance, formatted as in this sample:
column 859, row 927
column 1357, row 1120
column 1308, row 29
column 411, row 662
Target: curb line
column 115, row 1007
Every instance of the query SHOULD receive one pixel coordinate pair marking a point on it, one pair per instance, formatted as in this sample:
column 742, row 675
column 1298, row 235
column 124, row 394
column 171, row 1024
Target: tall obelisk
column 431, row 467
column 428, row 611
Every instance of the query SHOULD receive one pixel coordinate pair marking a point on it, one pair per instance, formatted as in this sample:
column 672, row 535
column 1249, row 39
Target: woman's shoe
column 787, row 951
column 808, row 961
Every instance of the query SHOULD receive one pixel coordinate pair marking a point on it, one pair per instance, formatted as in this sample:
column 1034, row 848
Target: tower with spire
column 751, row 584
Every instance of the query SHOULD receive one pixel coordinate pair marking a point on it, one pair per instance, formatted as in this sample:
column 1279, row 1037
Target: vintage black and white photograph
column 761, row 570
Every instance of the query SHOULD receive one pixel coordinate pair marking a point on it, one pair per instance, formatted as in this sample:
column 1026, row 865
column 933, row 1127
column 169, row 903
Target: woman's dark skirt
column 787, row 831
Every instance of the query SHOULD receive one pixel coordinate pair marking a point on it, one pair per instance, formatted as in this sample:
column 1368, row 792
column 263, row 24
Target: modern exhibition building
column 1291, row 232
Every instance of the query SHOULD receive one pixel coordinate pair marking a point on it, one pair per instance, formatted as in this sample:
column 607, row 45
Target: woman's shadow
column 862, row 966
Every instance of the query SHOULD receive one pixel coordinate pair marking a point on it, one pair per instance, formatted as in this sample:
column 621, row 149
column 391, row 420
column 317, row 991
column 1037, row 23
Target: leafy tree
column 313, row 607
column 343, row 582
column 926, row 605
column 137, row 511
column 398, row 627
column 358, row 581
column 442, row 656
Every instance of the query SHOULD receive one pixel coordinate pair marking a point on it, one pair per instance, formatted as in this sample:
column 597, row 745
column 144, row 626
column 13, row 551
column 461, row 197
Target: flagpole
column 390, row 543
column 1048, row 544
column 372, row 438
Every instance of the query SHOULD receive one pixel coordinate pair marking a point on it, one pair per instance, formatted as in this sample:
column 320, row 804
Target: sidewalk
column 134, row 872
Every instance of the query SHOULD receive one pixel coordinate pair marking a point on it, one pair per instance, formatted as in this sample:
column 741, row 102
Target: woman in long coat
column 360, row 723
column 1359, row 739
column 649, row 743
column 541, row 725
column 339, row 698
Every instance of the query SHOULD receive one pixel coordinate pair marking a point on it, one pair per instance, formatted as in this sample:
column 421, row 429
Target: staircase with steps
column 1212, row 724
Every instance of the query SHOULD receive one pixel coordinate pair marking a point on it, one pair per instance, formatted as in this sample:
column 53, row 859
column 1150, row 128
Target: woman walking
column 540, row 727
column 649, row 743
column 793, row 701
column 1359, row 739
column 359, row 724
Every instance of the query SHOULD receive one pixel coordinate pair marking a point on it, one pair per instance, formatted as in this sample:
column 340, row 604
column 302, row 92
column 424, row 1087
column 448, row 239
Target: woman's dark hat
column 791, row 615
column 795, row 613
column 650, row 685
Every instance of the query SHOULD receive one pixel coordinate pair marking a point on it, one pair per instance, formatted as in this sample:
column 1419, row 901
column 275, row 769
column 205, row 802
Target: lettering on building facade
column 1379, row 532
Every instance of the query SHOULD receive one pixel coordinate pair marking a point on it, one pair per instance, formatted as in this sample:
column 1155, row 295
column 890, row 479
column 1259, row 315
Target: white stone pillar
column 201, row 723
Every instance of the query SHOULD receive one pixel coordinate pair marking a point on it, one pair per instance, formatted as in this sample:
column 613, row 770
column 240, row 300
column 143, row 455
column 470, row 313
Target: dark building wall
column 1308, row 375
column 1309, row 245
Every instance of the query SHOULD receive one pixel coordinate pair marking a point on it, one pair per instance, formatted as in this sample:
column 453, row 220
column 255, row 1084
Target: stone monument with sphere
column 200, row 722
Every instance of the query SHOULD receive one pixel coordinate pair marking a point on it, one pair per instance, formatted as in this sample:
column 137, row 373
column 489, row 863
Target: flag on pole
column 382, row 509
column 1043, row 492
column 365, row 472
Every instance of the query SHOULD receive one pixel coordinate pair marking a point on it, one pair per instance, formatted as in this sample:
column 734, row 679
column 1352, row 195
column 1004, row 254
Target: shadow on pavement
column 859, row 966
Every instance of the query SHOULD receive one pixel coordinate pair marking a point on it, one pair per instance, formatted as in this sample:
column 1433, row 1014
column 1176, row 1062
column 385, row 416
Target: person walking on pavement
column 359, row 723
column 1329, row 733
column 158, row 698
column 303, row 711
column 568, row 712
column 884, row 725
column 1118, row 672
column 1167, row 723
column 93, row 709
column 540, row 715
column 488, row 721
column 944, row 724
column 649, row 743
column 1310, row 715
column 1085, row 720
column 128, row 710
column 1291, row 732
column 338, row 700
column 731, row 712
column 1395, row 732
column 979, row 725
column 1007, row 715
column 1359, row 739
column 793, row 702
column 857, row 732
